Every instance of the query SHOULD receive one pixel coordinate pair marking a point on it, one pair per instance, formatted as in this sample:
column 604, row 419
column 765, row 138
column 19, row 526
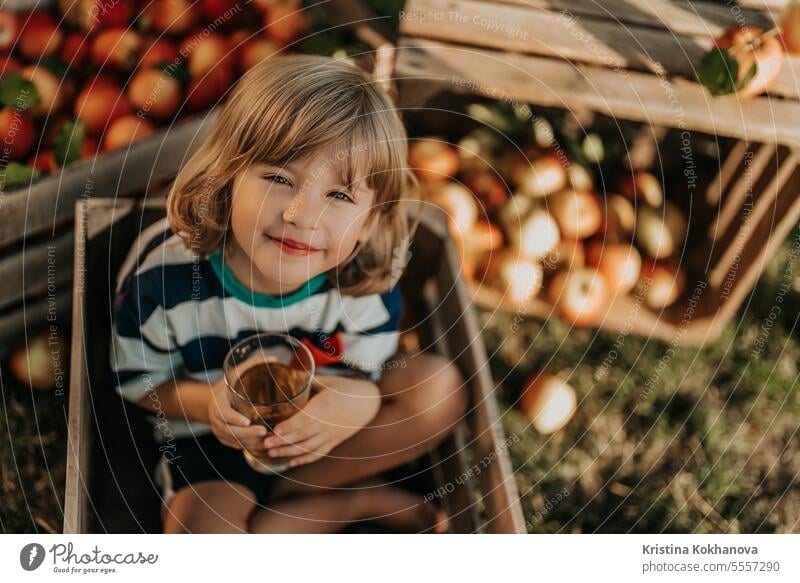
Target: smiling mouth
column 293, row 247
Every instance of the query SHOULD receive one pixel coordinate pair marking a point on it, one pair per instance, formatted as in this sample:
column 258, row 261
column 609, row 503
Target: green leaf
column 177, row 72
column 18, row 92
column 55, row 66
column 16, row 174
column 68, row 144
column 749, row 77
column 718, row 72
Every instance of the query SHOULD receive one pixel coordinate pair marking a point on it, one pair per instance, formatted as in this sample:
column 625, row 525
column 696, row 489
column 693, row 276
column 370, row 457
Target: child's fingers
column 293, row 424
column 292, row 437
column 302, row 460
column 297, row 449
column 231, row 416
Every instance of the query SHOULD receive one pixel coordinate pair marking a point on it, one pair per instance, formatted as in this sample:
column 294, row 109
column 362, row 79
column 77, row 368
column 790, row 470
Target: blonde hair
column 283, row 109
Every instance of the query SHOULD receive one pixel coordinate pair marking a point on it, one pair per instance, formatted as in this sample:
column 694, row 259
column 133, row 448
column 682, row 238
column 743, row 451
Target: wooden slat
column 688, row 18
column 743, row 187
column 51, row 201
column 78, row 434
column 498, row 488
column 25, row 272
column 564, row 36
column 635, row 97
column 733, row 163
column 460, row 503
column 741, row 235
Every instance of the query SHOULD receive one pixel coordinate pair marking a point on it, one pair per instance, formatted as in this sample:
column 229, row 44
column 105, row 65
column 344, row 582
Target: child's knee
column 441, row 395
column 210, row 507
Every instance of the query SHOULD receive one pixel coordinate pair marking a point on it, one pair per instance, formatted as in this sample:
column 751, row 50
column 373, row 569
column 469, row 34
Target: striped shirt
column 176, row 315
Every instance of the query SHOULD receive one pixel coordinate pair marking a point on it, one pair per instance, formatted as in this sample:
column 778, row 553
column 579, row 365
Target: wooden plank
column 460, row 502
column 76, row 490
column 498, row 488
column 688, row 18
column 121, row 173
column 739, row 236
column 744, row 186
column 636, row 96
column 771, row 232
column 29, row 271
column 564, row 35
column 733, row 163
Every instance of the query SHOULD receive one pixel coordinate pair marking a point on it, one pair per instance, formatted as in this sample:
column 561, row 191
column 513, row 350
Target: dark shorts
column 204, row 458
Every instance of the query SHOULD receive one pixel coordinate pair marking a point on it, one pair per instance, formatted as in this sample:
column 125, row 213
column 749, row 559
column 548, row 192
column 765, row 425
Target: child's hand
column 342, row 407
column 231, row 427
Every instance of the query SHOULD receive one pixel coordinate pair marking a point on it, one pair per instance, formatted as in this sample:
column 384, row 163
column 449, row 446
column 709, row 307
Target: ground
column 711, row 446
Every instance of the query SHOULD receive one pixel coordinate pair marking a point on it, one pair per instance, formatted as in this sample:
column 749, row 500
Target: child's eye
column 341, row 196
column 277, row 178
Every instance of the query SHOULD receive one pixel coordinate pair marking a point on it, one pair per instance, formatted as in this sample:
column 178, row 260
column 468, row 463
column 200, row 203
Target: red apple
column 541, row 177
column 285, row 22
column 567, row 255
column 48, row 86
column 75, row 49
column 488, row 188
column 748, row 45
column 579, row 178
column 619, row 218
column 517, row 277
column 43, row 160
column 659, row 232
column 538, row 235
column 9, row 29
column 220, row 10
column 790, row 28
column 642, row 186
column 99, row 104
column 484, row 236
column 157, row 51
column 581, row 296
column 42, row 363
column 90, row 14
column 125, row 130
column 432, row 159
column 17, row 133
column 207, row 51
column 155, row 93
column 118, row 48
column 40, row 35
column 661, row 283
column 456, row 201
column 253, row 51
column 577, row 213
column 620, row 264
column 169, row 16
column 549, row 402
column 8, row 65
column 208, row 89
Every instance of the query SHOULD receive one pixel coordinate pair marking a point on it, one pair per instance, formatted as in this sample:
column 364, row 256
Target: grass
column 699, row 440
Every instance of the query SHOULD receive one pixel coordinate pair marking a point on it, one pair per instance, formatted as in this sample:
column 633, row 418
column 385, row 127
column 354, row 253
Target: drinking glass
column 269, row 378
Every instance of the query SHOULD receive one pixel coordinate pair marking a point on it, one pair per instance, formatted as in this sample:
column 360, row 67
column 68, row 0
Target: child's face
column 304, row 202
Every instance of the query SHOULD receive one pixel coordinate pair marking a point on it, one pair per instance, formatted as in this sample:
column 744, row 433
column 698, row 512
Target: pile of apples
column 532, row 224
column 91, row 75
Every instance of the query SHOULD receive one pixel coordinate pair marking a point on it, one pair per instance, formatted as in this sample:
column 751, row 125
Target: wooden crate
column 110, row 447
column 631, row 60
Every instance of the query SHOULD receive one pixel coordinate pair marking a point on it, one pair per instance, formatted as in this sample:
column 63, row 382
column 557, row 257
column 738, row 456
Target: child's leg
column 424, row 397
column 210, row 507
column 331, row 512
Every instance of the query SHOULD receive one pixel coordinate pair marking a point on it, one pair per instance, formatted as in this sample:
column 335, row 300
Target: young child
column 290, row 218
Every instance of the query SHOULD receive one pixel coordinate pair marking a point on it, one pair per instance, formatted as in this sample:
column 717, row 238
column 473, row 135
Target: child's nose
column 302, row 213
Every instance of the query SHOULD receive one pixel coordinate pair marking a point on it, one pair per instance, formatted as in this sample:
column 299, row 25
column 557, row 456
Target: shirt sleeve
column 372, row 335
column 144, row 353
